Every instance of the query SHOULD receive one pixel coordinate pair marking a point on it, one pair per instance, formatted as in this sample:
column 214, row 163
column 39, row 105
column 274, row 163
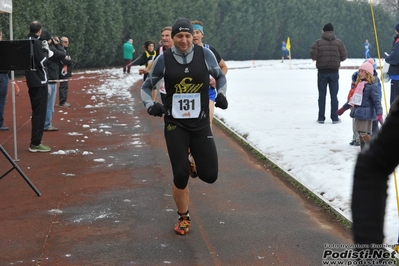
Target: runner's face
column 197, row 37
column 183, row 41
column 166, row 38
column 151, row 47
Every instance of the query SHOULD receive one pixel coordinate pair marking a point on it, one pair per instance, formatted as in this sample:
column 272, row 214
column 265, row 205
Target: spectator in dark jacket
column 393, row 61
column 4, row 80
column 37, row 85
column 53, row 72
column 328, row 52
column 148, row 56
column 65, row 73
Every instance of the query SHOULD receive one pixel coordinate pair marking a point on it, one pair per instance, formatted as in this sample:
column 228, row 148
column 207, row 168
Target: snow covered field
column 275, row 106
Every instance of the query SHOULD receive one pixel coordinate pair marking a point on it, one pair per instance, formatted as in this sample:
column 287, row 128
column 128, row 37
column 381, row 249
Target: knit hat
column 182, row 24
column 328, row 27
column 397, row 27
column 367, row 66
column 372, row 61
column 45, row 35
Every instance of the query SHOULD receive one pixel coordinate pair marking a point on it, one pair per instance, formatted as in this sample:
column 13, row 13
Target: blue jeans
column 330, row 79
column 52, row 92
column 3, row 95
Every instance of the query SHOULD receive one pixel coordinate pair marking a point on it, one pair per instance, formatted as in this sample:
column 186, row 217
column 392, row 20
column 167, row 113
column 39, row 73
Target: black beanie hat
column 328, row 27
column 45, row 35
column 182, row 24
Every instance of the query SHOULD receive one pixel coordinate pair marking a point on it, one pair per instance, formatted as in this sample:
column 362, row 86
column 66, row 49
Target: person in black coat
column 148, row 55
column 53, row 69
column 373, row 167
column 65, row 73
column 36, row 81
column 393, row 60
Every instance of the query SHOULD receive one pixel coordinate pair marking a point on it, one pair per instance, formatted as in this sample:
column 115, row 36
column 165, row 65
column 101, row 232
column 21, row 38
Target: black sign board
column 16, row 55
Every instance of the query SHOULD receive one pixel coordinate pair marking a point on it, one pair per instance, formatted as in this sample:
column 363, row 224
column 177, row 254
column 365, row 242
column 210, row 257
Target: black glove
column 221, row 101
column 156, row 110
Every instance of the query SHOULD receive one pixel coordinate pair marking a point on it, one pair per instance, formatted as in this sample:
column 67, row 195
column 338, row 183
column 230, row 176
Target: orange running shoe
column 183, row 225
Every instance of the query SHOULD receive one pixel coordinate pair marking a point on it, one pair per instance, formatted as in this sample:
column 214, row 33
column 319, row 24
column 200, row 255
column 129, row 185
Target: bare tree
column 392, row 6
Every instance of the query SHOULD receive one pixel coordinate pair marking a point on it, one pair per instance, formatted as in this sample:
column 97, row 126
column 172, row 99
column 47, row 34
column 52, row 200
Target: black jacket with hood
column 53, row 65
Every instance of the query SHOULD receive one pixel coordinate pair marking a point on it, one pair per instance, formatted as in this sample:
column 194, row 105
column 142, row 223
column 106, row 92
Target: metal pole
column 14, row 115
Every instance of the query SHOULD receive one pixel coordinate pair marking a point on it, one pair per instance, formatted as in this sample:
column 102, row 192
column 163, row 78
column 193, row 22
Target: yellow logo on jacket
column 170, row 127
column 186, row 87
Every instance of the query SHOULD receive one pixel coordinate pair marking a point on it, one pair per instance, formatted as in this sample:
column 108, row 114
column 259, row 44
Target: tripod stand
column 15, row 166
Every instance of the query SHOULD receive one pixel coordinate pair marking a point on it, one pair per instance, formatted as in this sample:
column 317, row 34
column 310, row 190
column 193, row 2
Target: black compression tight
column 202, row 147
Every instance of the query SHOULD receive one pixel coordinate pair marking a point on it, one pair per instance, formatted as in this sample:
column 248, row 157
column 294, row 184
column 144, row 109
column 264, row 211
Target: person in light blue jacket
column 367, row 47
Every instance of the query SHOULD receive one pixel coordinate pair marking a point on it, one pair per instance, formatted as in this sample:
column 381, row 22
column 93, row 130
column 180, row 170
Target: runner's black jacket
column 373, row 167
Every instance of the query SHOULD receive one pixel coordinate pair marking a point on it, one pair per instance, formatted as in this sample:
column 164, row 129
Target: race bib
column 186, row 105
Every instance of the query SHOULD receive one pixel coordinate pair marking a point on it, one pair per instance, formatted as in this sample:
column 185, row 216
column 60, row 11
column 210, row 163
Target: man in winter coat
column 37, row 85
column 53, row 72
column 328, row 52
column 393, row 71
column 65, row 73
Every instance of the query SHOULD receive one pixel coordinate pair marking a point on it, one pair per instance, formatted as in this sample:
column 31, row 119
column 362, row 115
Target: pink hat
column 368, row 67
column 371, row 61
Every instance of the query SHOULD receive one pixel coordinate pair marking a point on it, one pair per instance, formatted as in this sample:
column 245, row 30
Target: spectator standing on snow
column 393, row 60
column 367, row 47
column 366, row 103
column 284, row 51
column 328, row 52
column 355, row 140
